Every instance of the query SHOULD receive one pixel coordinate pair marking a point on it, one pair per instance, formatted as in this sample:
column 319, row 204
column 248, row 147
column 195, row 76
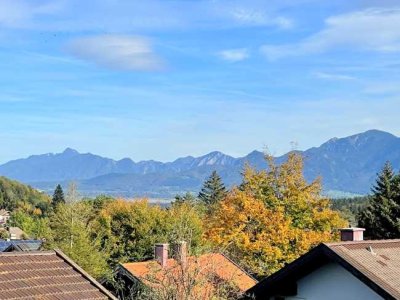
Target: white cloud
column 133, row 15
column 247, row 16
column 234, row 55
column 373, row 29
column 21, row 13
column 332, row 76
column 120, row 52
column 12, row 13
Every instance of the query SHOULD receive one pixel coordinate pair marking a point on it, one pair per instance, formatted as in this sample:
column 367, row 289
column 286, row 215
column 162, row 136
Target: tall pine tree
column 381, row 218
column 58, row 196
column 213, row 190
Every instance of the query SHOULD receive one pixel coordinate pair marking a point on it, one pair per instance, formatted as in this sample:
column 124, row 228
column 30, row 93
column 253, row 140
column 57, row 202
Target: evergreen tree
column 213, row 190
column 187, row 198
column 381, row 218
column 58, row 196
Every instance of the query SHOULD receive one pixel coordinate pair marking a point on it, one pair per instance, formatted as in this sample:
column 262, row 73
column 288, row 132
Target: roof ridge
column 28, row 253
column 362, row 242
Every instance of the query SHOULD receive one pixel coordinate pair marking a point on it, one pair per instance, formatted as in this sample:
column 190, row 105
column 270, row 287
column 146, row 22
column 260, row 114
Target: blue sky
column 162, row 79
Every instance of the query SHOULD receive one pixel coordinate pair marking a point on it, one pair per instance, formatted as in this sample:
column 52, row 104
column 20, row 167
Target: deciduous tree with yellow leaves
column 273, row 217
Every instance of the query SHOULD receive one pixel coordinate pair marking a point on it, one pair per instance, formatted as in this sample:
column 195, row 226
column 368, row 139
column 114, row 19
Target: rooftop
column 20, row 245
column 376, row 263
column 46, row 275
column 216, row 264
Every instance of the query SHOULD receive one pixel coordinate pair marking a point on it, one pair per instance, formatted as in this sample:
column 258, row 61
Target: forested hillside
column 14, row 194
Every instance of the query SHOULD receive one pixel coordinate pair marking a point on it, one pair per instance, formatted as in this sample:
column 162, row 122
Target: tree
column 35, row 226
column 128, row 230
column 58, row 196
column 273, row 218
column 381, row 218
column 213, row 190
column 185, row 224
column 71, row 228
column 186, row 198
column 15, row 195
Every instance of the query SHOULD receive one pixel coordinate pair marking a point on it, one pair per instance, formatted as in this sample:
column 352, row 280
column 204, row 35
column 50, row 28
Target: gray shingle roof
column 376, row 263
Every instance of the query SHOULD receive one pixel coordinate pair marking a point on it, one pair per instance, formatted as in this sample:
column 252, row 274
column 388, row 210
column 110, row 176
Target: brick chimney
column 352, row 234
column 161, row 254
column 180, row 251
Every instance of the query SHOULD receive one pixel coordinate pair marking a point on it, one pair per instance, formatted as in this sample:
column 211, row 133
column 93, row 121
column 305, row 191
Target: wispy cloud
column 253, row 16
column 373, row 29
column 234, row 55
column 21, row 13
column 140, row 15
column 120, row 52
column 333, row 76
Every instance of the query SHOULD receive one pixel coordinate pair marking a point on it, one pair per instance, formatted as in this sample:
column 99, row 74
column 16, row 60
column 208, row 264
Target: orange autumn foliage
column 273, row 218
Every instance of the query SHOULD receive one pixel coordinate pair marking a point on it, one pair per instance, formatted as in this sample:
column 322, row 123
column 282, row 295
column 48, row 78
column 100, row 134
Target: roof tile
column 45, row 275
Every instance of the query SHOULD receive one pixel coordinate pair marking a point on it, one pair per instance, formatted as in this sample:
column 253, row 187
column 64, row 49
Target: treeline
column 270, row 219
column 15, row 195
column 378, row 213
column 350, row 208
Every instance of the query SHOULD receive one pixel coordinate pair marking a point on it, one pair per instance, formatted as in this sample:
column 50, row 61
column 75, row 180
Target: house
column 20, row 245
column 16, row 233
column 206, row 273
column 46, row 275
column 351, row 269
column 4, row 216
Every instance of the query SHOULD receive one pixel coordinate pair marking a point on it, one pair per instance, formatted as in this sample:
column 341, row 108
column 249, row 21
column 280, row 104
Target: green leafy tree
column 35, row 226
column 381, row 218
column 71, row 228
column 213, row 190
column 58, row 196
column 4, row 234
column 14, row 195
column 128, row 230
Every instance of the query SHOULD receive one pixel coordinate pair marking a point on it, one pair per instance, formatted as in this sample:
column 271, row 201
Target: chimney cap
column 352, row 229
column 351, row 234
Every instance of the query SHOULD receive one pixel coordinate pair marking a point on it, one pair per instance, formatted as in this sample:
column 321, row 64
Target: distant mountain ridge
column 346, row 164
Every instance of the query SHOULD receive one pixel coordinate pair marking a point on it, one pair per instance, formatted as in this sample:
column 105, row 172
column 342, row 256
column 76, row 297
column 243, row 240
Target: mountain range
column 346, row 164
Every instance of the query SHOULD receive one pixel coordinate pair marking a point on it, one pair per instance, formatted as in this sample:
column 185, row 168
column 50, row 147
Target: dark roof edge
column 121, row 268
column 357, row 273
column 239, row 267
column 325, row 251
column 84, row 274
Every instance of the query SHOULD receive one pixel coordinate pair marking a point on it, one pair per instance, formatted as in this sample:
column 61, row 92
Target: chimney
column 352, row 234
column 180, row 252
column 161, row 254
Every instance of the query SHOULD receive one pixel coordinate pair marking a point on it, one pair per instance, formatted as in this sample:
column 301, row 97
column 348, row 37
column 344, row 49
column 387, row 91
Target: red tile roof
column 215, row 264
column 46, row 275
